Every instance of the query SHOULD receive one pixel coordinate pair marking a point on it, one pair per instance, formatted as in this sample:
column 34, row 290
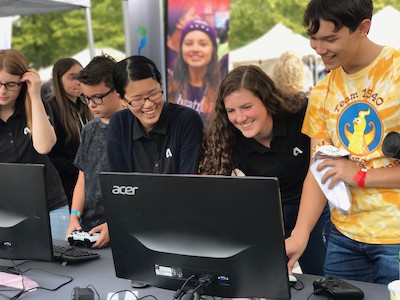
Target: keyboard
column 72, row 254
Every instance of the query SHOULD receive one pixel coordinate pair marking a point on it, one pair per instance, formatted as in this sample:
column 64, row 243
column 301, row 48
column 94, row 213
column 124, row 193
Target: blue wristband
column 76, row 212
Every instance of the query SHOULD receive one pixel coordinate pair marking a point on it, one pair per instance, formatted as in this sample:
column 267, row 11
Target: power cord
column 23, row 291
column 129, row 291
column 298, row 285
column 179, row 292
column 313, row 293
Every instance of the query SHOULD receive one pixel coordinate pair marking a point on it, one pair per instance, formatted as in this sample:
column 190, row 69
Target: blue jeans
column 349, row 259
column 59, row 219
column 313, row 258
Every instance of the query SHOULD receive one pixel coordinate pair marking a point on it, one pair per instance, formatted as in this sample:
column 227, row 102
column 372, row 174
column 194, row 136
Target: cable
column 91, row 286
column 179, row 291
column 313, row 293
column 297, row 288
column 70, row 279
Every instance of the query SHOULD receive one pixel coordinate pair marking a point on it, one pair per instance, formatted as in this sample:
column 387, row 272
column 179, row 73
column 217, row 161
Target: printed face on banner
column 197, row 51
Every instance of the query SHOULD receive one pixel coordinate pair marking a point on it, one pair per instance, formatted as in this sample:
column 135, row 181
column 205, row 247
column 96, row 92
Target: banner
column 144, row 30
column 197, row 46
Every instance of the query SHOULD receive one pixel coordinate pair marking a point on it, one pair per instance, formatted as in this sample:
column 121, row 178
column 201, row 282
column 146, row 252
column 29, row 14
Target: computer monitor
column 24, row 216
column 224, row 233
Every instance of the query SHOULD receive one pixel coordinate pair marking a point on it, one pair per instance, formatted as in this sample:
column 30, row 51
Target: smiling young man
column 354, row 108
column 151, row 135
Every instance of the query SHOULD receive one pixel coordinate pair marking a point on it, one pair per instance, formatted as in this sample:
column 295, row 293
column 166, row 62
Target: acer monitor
column 215, row 235
column 24, row 216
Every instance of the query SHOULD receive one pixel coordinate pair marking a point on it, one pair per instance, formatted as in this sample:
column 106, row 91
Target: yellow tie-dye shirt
column 355, row 112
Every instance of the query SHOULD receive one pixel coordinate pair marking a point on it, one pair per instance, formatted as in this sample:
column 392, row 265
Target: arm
column 345, row 170
column 312, row 203
column 78, row 203
column 43, row 134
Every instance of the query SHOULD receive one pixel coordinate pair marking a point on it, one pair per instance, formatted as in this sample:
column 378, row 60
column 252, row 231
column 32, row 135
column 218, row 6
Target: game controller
column 82, row 238
column 335, row 288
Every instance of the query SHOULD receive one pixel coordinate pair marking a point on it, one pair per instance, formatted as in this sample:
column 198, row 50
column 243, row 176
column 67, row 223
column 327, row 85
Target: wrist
column 75, row 212
column 360, row 177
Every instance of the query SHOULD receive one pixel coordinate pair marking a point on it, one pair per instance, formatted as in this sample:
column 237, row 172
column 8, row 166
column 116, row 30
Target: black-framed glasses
column 139, row 102
column 11, row 86
column 96, row 99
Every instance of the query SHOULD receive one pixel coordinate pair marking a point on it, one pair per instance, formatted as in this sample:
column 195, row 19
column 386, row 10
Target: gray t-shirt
column 92, row 159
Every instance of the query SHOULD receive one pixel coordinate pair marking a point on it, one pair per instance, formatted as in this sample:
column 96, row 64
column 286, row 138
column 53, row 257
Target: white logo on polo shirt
column 297, row 151
column 26, row 131
column 168, row 153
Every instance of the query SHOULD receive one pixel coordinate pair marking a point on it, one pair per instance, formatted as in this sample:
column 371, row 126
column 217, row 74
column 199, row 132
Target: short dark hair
column 136, row 67
column 348, row 13
column 100, row 69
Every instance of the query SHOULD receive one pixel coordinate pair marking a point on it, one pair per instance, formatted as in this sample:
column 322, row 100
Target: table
column 100, row 275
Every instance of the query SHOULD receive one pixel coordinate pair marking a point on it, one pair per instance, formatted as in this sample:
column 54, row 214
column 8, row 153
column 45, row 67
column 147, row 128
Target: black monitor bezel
column 23, row 193
column 247, row 274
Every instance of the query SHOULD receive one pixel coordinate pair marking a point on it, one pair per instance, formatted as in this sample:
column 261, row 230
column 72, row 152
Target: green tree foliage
column 44, row 38
column 252, row 19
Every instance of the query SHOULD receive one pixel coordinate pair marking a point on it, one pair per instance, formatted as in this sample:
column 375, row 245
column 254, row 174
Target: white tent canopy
column 271, row 45
column 385, row 28
column 30, row 7
column 84, row 58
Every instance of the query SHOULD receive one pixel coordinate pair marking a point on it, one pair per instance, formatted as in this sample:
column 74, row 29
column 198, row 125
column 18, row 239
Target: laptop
column 224, row 233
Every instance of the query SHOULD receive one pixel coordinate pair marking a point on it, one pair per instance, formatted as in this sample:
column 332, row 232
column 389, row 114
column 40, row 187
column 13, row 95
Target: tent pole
column 89, row 32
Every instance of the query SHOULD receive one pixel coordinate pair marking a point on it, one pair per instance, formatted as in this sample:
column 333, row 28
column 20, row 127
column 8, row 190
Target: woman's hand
column 33, row 83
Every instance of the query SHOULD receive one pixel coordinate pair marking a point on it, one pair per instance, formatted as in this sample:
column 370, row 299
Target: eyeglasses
column 96, row 99
column 11, row 86
column 139, row 102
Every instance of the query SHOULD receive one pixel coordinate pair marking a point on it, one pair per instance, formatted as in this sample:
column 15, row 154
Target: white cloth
column 339, row 196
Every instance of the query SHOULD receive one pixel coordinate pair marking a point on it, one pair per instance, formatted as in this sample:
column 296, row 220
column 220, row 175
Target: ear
column 364, row 27
column 122, row 101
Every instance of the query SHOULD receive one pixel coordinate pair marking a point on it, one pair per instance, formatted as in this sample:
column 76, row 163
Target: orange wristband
column 360, row 177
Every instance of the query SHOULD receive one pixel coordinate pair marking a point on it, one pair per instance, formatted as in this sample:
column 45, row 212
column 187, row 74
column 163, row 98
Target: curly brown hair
column 220, row 134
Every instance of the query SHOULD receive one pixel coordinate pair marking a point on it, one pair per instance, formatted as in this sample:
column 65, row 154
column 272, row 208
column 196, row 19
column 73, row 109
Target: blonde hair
column 289, row 73
column 15, row 62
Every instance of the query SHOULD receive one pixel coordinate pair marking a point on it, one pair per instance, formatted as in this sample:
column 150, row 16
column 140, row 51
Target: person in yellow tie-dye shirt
column 354, row 107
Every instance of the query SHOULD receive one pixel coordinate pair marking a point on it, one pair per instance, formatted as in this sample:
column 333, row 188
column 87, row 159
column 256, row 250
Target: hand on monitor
column 295, row 246
column 104, row 237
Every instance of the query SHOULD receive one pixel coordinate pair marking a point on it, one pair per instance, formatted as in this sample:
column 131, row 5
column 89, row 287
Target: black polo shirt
column 174, row 145
column 16, row 147
column 287, row 159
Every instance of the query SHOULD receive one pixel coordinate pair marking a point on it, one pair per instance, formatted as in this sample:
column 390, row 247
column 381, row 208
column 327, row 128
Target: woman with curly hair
column 256, row 130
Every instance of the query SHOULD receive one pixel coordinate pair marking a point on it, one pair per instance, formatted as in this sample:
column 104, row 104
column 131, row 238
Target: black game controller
column 335, row 288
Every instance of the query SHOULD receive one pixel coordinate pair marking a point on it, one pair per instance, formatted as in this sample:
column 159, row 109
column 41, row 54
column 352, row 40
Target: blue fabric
column 59, row 219
column 349, row 259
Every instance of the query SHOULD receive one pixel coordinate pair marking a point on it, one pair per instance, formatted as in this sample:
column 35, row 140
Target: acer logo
column 124, row 190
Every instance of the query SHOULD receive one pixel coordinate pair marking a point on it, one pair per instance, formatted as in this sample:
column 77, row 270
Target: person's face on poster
column 197, row 49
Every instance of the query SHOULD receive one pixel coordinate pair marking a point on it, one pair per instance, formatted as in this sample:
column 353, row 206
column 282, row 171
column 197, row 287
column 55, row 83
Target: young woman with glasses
column 151, row 135
column 26, row 131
